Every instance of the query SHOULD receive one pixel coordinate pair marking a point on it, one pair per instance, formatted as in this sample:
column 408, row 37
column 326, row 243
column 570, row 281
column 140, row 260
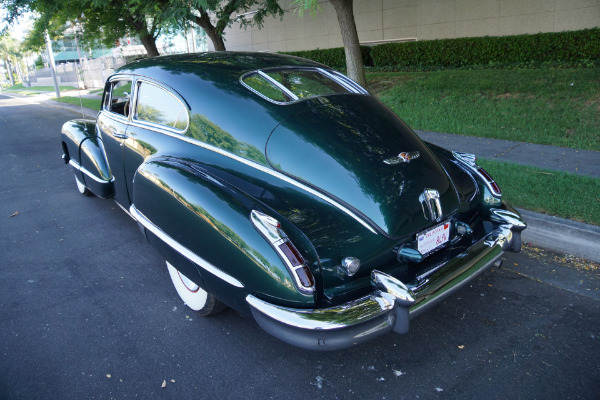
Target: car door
column 112, row 125
column 158, row 118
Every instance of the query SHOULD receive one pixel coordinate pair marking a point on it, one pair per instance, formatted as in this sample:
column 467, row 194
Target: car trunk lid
column 348, row 146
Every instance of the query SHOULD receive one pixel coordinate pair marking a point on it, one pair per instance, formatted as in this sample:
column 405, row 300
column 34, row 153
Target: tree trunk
column 203, row 21
column 149, row 43
column 10, row 74
column 354, row 61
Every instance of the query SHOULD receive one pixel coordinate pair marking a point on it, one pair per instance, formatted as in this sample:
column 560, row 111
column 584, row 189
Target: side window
column 118, row 101
column 158, row 106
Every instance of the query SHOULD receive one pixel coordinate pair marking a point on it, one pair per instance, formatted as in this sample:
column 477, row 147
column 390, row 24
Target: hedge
column 573, row 47
column 334, row 58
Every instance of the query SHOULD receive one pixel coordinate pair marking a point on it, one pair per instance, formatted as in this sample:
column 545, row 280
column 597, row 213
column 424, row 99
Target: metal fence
column 88, row 74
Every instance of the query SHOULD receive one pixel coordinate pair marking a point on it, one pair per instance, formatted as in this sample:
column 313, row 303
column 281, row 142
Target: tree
column 9, row 53
column 103, row 20
column 345, row 15
column 223, row 15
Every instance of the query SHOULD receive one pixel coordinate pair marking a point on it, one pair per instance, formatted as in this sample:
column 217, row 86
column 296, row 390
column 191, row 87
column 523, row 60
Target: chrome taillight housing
column 271, row 230
column 468, row 160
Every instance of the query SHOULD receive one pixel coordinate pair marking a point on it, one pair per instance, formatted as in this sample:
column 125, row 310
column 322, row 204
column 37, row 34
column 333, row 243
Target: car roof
column 214, row 63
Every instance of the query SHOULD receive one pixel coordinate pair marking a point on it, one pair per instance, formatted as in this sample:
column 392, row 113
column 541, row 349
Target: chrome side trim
column 78, row 167
column 278, row 85
column 184, row 251
column 125, row 210
column 268, row 171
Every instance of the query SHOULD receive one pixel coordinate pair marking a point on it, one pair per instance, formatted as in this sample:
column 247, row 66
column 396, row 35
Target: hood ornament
column 404, row 157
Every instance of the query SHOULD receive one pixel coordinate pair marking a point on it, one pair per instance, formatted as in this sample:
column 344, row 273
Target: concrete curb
column 562, row 235
column 549, row 232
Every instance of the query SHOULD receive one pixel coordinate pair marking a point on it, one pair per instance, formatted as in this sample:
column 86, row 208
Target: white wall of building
column 384, row 20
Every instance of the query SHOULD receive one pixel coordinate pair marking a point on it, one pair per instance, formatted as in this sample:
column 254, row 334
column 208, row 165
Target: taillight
column 490, row 181
column 468, row 160
column 271, row 230
column 291, row 253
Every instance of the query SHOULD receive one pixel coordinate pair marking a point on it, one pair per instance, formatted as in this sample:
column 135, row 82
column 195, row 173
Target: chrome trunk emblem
column 403, row 157
column 430, row 201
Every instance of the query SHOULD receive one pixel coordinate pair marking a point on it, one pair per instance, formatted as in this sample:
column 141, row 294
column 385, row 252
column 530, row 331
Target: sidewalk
column 543, row 230
column 581, row 162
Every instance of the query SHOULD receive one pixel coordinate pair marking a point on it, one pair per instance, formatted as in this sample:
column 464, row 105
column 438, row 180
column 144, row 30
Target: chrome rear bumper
column 391, row 305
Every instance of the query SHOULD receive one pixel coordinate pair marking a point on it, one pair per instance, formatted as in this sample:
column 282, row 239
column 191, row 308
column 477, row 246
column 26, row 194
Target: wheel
column 82, row 188
column 193, row 296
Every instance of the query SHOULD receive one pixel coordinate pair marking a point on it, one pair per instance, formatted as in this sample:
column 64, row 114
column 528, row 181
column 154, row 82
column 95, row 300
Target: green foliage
column 565, row 47
column 303, row 5
column 556, row 193
column 334, row 58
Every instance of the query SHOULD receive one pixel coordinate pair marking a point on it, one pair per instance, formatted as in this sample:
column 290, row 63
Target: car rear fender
column 83, row 150
column 203, row 226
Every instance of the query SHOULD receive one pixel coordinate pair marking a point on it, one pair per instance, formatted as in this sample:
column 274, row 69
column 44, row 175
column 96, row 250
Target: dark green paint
column 336, row 144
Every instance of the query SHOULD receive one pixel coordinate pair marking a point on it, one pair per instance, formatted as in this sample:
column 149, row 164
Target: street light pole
column 51, row 62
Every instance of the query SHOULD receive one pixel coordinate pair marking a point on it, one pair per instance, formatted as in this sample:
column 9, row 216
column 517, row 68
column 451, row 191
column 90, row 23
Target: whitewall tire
column 82, row 188
column 194, row 296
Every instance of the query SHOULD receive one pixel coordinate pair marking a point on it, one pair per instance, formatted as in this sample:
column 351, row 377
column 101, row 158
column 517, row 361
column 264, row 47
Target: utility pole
column 51, row 62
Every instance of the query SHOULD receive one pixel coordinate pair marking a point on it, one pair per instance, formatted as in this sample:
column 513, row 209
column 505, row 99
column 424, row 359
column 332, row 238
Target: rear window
column 292, row 84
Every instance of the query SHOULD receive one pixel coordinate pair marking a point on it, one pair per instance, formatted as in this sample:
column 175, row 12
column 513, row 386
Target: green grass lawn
column 93, row 104
column 550, row 192
column 558, row 107
column 20, row 88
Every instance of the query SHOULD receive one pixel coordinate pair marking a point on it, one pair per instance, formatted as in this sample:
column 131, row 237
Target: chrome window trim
column 184, row 251
column 279, row 86
column 281, row 103
column 117, row 116
column 342, row 80
column 78, row 167
column 268, row 171
column 134, row 118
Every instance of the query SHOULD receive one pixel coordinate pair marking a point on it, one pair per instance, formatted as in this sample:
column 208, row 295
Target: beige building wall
column 391, row 20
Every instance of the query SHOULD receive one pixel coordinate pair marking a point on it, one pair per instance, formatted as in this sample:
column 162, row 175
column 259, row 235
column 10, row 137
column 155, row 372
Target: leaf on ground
column 14, row 214
column 164, row 384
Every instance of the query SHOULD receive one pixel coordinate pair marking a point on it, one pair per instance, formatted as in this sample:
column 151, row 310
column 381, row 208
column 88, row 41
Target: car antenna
column 81, row 105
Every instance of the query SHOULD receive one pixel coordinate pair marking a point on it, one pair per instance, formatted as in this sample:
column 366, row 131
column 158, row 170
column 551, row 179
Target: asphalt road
column 87, row 310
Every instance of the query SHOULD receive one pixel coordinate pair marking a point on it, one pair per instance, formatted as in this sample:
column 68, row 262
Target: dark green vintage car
column 281, row 188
